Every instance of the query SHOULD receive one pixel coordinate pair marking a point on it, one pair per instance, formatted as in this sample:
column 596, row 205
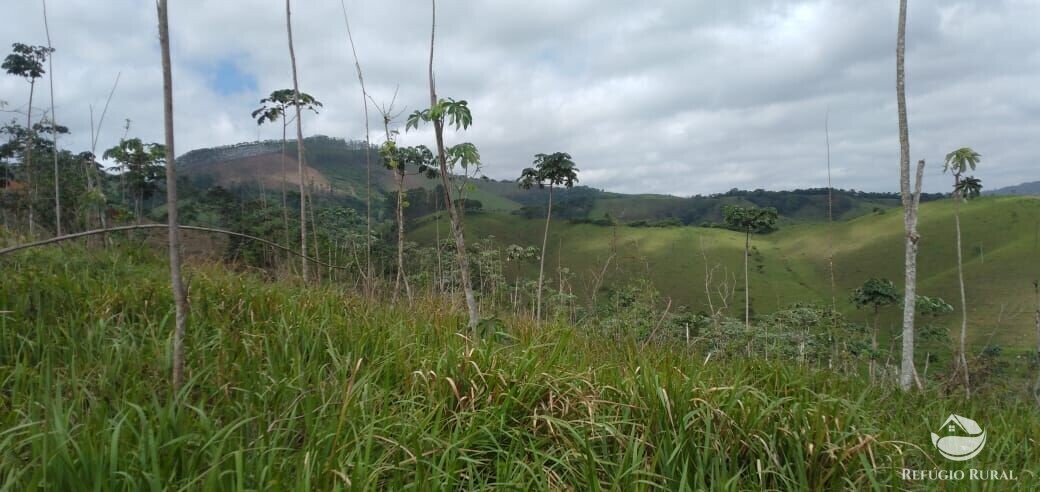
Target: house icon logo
column 959, row 439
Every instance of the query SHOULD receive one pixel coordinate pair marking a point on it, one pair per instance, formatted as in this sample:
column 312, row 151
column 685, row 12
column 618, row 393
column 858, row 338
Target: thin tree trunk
column 541, row 267
column 299, row 142
column 314, row 231
column 368, row 161
column 964, row 302
column 93, row 149
column 28, row 158
column 874, row 346
column 285, row 200
column 830, row 235
column 437, row 247
column 401, row 277
column 910, row 200
column 456, row 221
column 747, row 288
column 54, row 125
column 180, row 297
column 1036, row 387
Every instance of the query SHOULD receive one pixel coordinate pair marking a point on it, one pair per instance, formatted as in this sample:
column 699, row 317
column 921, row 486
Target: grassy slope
column 311, row 389
column 793, row 265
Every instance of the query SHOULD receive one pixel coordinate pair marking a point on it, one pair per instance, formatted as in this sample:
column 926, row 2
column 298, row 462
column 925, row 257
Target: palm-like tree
column 957, row 163
column 550, row 170
column 27, row 62
column 273, row 108
column 748, row 220
column 400, row 160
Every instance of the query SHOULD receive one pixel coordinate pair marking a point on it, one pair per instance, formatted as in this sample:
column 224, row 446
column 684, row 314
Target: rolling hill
column 1001, row 254
column 1030, row 188
column 337, row 167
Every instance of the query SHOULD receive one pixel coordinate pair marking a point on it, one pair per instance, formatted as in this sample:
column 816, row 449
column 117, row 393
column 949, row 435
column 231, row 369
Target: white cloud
column 672, row 97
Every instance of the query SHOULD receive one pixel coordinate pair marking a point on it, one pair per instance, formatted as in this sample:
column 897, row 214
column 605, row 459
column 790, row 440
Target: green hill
column 337, row 168
column 1001, row 255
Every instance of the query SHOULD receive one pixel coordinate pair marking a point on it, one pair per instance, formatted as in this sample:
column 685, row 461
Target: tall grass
column 312, row 388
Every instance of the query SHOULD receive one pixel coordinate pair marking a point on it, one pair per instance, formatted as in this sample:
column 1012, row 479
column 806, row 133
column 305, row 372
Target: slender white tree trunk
column 285, row 181
column 453, row 212
column 54, row 125
column 28, row 158
column 180, row 297
column 368, row 160
column 541, row 267
column 299, row 144
column 964, row 303
column 911, row 199
column 747, row 283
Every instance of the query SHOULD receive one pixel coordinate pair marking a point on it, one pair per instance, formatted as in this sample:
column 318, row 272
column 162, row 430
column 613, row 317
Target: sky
column 680, row 97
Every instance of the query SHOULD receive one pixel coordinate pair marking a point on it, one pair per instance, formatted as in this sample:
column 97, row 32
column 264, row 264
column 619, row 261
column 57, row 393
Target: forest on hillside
column 318, row 312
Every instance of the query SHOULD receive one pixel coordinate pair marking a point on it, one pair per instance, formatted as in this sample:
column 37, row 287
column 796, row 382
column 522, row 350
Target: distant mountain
column 1031, row 188
column 337, row 169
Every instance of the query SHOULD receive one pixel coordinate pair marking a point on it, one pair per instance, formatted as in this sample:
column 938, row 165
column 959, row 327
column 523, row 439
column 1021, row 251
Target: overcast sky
column 678, row 97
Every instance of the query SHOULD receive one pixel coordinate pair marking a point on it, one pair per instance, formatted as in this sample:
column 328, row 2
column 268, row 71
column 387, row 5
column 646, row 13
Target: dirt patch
column 266, row 169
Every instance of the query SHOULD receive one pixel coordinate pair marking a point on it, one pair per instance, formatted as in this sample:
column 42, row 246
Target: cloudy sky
column 678, row 96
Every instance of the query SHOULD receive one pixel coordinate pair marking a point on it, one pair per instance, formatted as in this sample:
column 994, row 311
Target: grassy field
column 312, row 388
column 1001, row 254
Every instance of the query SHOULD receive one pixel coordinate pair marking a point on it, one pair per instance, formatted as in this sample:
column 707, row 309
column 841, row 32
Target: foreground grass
column 312, row 388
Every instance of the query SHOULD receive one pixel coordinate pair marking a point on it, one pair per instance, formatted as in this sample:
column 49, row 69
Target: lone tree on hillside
column 142, row 168
column 959, row 162
column 875, row 293
column 297, row 102
column 27, row 62
column 457, row 114
column 273, row 108
column 400, row 160
column 911, row 200
column 550, row 170
column 748, row 220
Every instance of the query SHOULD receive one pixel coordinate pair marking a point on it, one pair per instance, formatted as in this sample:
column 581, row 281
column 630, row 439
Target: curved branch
column 78, row 235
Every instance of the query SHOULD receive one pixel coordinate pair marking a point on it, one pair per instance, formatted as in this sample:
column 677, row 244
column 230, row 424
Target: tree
column 911, row 200
column 27, row 62
column 54, row 134
column 297, row 103
column 748, row 220
column 875, row 293
column 457, row 114
column 399, row 160
column 368, row 153
column 141, row 166
column 180, row 296
column 273, row 108
column 957, row 163
column 556, row 169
